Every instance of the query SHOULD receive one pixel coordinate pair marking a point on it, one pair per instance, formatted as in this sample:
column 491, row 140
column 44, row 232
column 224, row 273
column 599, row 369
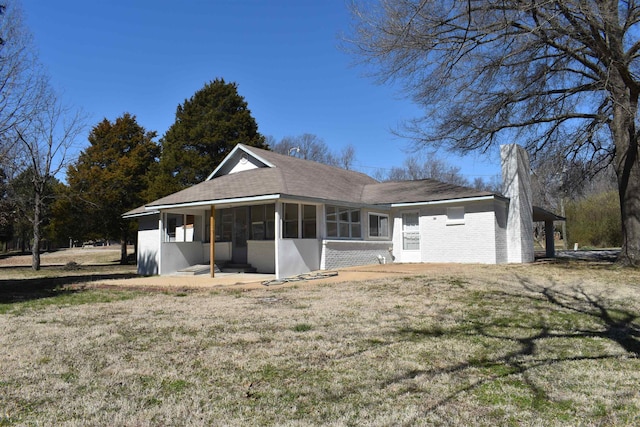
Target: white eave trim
column 236, row 148
column 146, row 213
column 444, row 202
column 217, row 202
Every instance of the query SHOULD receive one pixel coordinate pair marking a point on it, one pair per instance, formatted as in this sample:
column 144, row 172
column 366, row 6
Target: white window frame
column 379, row 216
column 348, row 223
column 286, row 220
column 301, row 220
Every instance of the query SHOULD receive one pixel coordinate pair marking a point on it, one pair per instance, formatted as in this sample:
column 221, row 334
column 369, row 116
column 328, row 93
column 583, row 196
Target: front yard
column 538, row 344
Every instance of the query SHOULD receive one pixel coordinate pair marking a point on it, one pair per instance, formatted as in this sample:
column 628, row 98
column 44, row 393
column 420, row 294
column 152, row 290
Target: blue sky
column 146, row 57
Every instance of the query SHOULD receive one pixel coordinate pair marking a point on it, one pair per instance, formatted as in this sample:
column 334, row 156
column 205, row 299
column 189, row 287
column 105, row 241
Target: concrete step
column 238, row 268
column 194, row 270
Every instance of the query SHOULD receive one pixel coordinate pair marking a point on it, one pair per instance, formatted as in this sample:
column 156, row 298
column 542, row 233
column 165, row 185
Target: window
column 410, row 231
column 343, row 222
column 172, row 224
column 290, row 229
column 270, row 221
column 262, row 222
column 378, row 225
column 175, row 228
column 309, row 222
column 224, row 225
column 258, row 231
column 293, row 224
column 455, row 215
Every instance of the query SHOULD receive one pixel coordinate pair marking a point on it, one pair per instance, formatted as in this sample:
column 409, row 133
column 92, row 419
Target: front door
column 239, row 237
column 411, row 237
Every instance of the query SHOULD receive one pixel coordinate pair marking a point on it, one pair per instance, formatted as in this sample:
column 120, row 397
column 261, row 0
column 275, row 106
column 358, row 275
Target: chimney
column 516, row 181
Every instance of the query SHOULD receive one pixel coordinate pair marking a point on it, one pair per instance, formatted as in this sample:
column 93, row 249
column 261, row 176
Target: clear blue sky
column 146, row 57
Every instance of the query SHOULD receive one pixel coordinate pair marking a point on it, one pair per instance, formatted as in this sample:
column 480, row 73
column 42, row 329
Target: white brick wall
column 517, row 187
column 474, row 241
column 501, row 232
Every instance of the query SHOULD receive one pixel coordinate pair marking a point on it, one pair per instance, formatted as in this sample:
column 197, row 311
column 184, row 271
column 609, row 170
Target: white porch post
column 212, row 241
column 550, row 245
column 278, row 235
column 160, row 241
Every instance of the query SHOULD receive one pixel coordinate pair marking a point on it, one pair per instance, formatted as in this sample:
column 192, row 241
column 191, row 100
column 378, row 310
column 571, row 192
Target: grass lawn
column 538, row 344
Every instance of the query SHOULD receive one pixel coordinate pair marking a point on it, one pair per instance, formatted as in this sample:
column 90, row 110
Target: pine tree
column 207, row 127
column 111, row 175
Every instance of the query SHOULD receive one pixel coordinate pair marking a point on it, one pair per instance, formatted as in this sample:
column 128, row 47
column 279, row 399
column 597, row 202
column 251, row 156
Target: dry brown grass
column 84, row 256
column 469, row 345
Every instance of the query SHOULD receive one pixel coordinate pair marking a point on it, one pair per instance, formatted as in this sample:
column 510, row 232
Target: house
column 289, row 216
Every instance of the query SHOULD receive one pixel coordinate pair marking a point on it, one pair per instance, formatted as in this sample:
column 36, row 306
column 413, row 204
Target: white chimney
column 516, row 181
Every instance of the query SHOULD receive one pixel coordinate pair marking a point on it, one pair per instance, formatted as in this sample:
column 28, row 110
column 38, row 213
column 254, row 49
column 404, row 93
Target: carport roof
column 540, row 215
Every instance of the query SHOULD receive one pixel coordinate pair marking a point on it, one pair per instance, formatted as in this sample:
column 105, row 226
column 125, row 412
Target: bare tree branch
column 559, row 76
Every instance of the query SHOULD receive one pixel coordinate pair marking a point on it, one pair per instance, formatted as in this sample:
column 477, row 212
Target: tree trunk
column 123, row 247
column 35, row 249
column 628, row 172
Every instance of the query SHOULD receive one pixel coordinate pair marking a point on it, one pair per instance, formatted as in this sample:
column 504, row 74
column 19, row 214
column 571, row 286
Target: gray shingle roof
column 424, row 190
column 290, row 176
column 302, row 178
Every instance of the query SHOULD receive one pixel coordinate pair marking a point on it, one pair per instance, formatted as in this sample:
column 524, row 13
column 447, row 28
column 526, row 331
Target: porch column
column 212, row 241
column 278, row 235
column 549, row 239
column 161, row 238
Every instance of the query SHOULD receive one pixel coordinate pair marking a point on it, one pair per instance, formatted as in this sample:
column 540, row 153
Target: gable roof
column 287, row 176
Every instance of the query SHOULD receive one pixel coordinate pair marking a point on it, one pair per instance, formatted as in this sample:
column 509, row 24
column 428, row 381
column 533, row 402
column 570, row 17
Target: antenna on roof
column 291, row 150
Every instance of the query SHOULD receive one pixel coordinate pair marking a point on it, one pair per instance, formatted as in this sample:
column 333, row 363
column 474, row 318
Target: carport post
column 212, row 241
column 549, row 234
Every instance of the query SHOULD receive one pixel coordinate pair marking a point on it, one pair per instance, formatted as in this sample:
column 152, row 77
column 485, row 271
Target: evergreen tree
column 111, row 175
column 207, row 127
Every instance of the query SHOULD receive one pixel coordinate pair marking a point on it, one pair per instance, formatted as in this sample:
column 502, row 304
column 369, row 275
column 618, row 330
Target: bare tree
column 346, row 157
column 21, row 77
column 46, row 142
column 431, row 167
column 552, row 75
column 311, row 147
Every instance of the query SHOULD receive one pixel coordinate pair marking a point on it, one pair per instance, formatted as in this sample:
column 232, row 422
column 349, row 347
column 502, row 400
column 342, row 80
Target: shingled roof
column 424, row 190
column 288, row 176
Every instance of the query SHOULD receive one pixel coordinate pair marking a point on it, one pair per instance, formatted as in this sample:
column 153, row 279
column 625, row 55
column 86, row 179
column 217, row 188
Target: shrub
column 595, row 221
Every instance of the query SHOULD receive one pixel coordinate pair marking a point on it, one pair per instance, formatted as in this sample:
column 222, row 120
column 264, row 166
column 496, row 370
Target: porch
column 270, row 237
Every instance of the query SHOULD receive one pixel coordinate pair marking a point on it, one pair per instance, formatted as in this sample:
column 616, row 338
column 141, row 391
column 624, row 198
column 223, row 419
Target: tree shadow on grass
column 19, row 290
column 606, row 320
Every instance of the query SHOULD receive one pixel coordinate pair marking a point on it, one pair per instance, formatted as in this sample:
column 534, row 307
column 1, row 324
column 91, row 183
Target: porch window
column 172, row 225
column 263, row 222
column 309, row 222
column 224, row 225
column 343, row 222
column 378, row 225
column 270, row 221
column 290, row 229
column 175, row 230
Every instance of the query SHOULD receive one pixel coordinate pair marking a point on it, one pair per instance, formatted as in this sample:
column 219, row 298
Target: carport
column 542, row 215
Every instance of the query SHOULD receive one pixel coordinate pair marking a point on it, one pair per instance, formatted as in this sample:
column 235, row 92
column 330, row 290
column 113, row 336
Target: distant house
column 288, row 216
